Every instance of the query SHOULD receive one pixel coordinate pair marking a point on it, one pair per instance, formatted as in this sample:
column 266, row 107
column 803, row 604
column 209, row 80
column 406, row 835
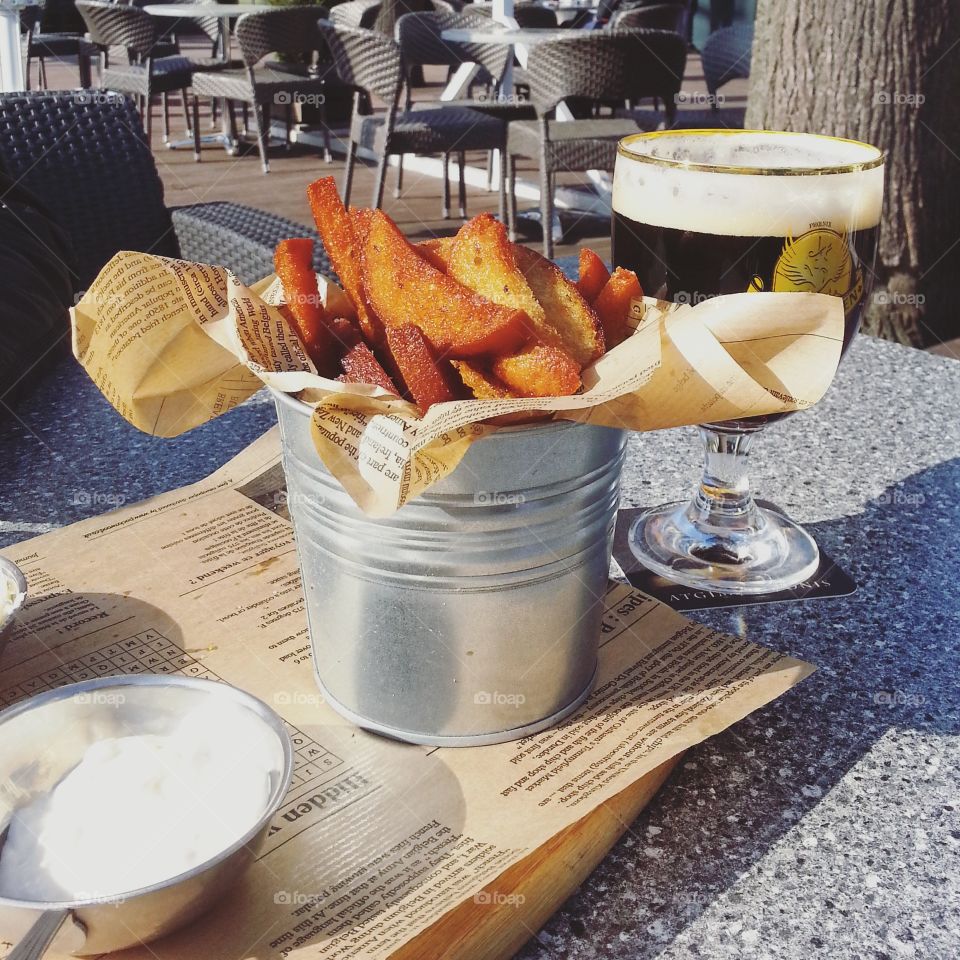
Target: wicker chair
column 372, row 64
column 110, row 24
column 43, row 44
column 356, row 13
column 658, row 16
column 87, row 160
column 291, row 31
column 599, row 66
column 726, row 55
column 421, row 43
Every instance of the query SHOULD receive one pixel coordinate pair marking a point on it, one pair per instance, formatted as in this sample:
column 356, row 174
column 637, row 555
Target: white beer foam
column 745, row 204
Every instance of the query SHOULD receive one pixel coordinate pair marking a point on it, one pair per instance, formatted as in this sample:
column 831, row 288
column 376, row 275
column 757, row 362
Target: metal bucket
column 471, row 615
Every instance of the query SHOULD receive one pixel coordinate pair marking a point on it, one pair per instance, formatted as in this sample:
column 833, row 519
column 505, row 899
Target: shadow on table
column 886, row 659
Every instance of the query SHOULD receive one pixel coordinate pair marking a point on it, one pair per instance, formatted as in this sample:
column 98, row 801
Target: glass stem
column 724, row 500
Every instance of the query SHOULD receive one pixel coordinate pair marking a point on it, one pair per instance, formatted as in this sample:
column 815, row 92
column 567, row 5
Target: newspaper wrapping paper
column 376, row 840
column 172, row 344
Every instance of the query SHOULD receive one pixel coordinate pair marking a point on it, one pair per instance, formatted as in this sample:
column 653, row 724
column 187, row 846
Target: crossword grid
column 151, row 652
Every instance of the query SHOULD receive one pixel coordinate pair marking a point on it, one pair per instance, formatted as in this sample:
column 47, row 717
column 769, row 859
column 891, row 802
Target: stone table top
column 826, row 824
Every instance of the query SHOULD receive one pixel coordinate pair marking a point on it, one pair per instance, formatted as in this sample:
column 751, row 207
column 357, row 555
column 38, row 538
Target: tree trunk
column 887, row 72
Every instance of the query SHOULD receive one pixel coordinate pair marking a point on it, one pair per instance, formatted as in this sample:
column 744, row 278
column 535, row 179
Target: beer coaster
column 830, row 580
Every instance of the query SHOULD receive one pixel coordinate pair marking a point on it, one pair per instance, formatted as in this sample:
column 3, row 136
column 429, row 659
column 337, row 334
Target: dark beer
column 701, row 213
column 688, row 267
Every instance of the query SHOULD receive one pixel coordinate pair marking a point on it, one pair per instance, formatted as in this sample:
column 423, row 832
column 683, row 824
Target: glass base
column 766, row 554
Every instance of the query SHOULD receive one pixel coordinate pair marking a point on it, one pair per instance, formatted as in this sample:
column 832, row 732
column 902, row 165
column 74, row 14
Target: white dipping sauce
column 138, row 810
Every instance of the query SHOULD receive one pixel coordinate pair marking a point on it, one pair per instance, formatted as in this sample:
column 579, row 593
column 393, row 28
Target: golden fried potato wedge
column 539, row 370
column 481, row 382
column 481, row 257
column 613, row 304
column 593, row 275
column 436, row 251
column 293, row 262
column 429, row 380
column 573, row 319
column 361, row 366
column 404, row 288
column 336, row 230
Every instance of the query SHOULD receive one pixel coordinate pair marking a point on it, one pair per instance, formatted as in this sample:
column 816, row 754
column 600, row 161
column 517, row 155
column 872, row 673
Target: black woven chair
column 44, row 44
column 531, row 16
column 372, row 64
column 87, row 159
column 383, row 16
column 356, row 13
column 657, row 16
column 293, row 32
column 600, row 66
column 421, row 44
column 726, row 55
column 112, row 24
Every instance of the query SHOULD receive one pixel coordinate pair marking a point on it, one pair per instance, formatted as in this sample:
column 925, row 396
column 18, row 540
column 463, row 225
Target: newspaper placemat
column 376, row 840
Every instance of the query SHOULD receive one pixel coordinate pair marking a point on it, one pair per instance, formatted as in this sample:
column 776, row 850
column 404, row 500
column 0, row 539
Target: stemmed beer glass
column 697, row 213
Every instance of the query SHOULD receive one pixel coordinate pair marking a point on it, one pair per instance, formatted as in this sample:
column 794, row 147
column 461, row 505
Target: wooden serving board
column 496, row 930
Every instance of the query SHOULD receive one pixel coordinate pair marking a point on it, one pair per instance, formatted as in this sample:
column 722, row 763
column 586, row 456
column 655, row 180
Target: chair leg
column 287, row 123
column 186, row 112
column 231, row 111
column 546, row 209
column 511, row 163
column 245, row 117
column 327, row 155
column 399, row 187
column 42, row 73
column 348, row 171
column 26, row 71
column 501, row 186
column 261, row 119
column 445, row 209
column 196, row 128
column 214, row 113
column 462, row 184
column 489, row 171
column 381, row 179
column 165, row 102
column 83, row 65
column 148, row 120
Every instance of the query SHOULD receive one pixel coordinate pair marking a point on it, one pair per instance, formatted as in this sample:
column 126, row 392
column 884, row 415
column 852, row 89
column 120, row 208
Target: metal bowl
column 11, row 574
column 43, row 738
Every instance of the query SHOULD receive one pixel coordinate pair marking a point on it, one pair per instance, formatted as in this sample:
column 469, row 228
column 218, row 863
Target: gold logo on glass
column 817, row 261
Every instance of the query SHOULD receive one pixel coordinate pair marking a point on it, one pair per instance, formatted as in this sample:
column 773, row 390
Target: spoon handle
column 34, row 944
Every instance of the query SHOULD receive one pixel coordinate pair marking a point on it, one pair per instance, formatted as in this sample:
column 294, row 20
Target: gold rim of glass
column 623, row 150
